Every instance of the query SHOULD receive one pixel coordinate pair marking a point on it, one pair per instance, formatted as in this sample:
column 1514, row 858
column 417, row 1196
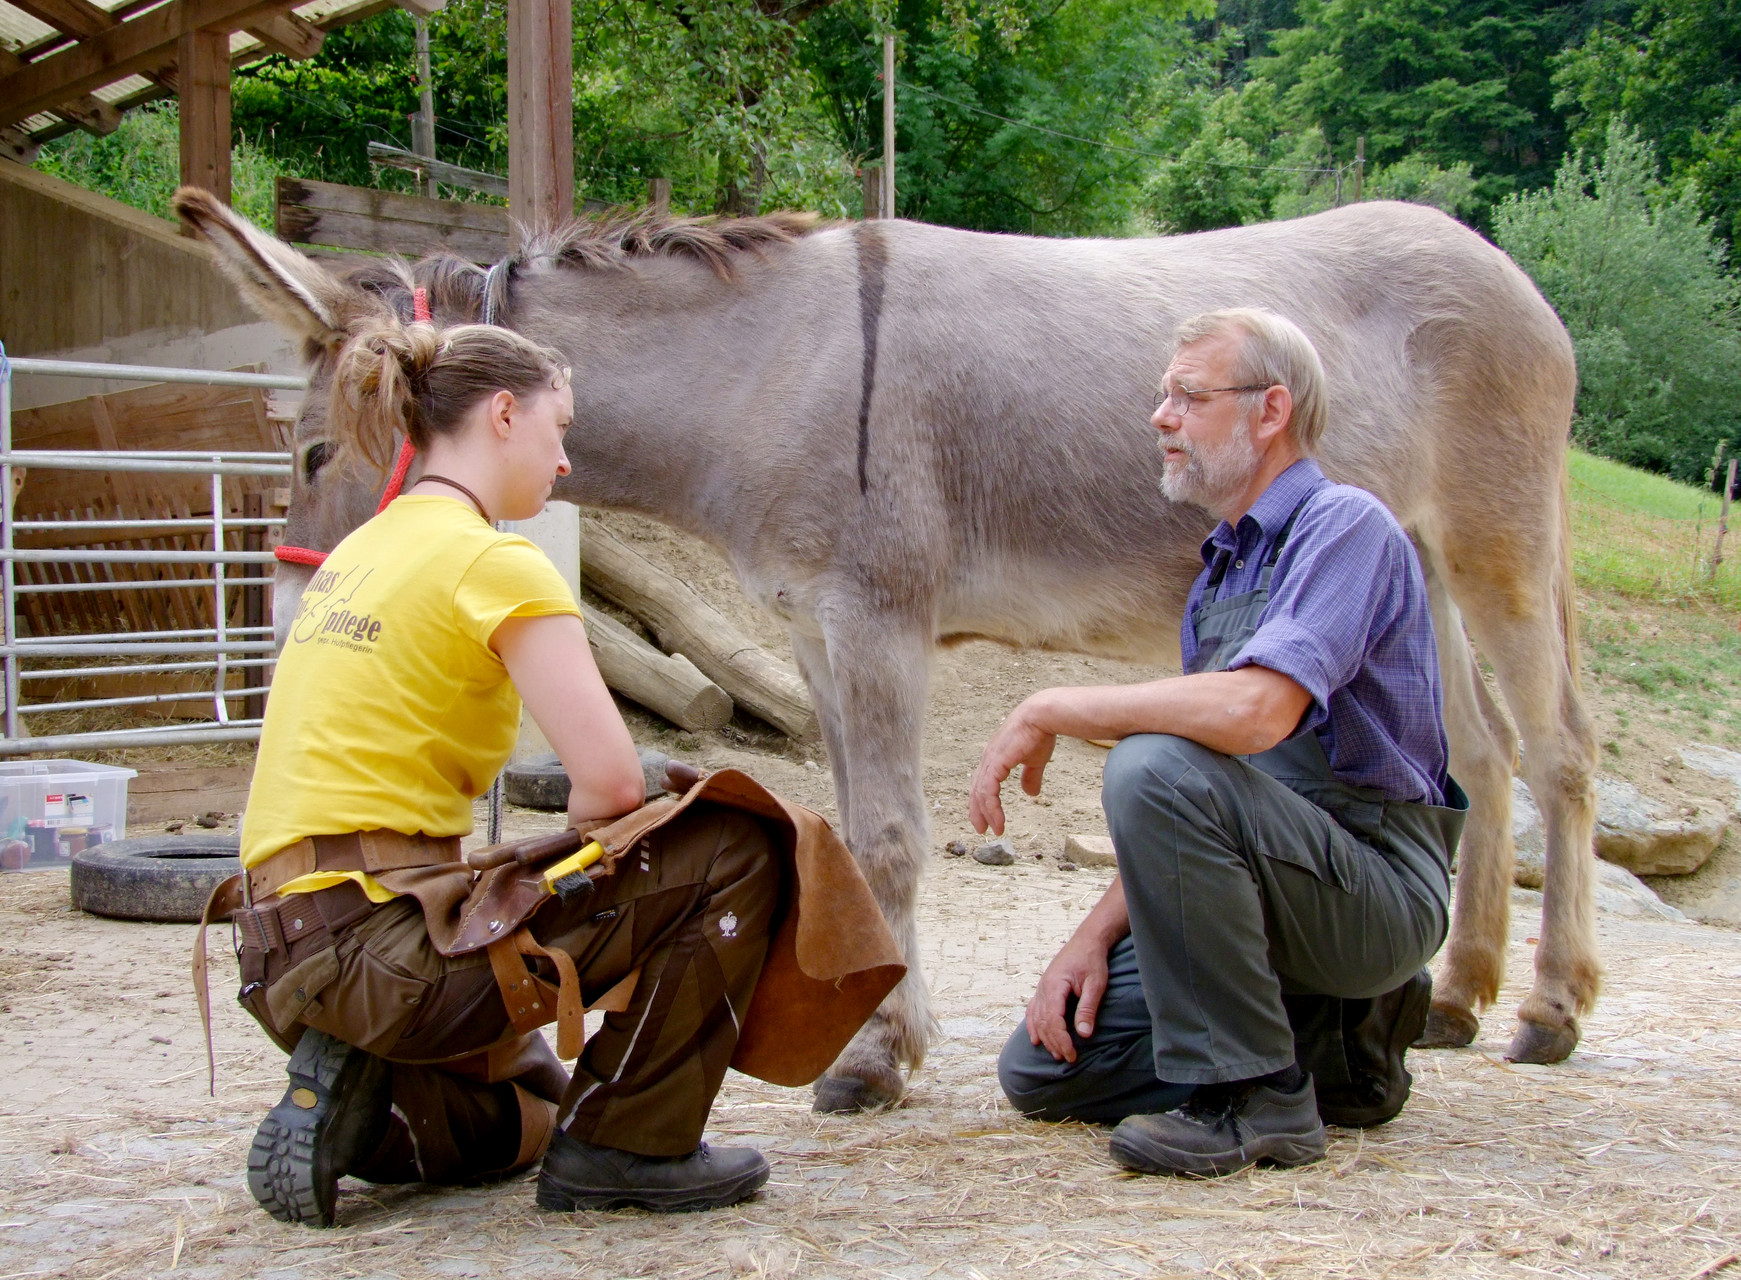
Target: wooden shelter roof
column 67, row 64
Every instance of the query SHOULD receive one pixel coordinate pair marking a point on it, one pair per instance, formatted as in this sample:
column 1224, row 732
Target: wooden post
column 203, row 84
column 1723, row 520
column 540, row 112
column 659, row 196
column 423, row 123
column 888, row 201
column 1359, row 166
column 872, row 178
column 254, row 596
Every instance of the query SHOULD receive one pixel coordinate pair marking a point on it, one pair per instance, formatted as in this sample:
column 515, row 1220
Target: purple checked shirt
column 1348, row 620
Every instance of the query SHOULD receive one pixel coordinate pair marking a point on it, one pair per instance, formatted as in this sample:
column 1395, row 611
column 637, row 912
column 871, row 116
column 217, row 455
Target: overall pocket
column 385, row 969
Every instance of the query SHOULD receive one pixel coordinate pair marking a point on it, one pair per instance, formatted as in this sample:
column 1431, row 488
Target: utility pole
column 423, row 123
column 1359, row 166
column 871, row 176
column 889, row 125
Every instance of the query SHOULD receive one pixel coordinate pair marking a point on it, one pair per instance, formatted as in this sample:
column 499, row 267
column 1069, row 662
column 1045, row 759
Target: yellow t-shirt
column 388, row 707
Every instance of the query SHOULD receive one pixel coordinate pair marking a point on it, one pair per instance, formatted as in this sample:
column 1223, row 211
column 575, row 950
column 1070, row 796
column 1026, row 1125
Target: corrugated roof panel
column 18, row 28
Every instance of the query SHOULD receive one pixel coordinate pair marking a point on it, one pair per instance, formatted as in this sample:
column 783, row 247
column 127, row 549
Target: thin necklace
column 476, row 501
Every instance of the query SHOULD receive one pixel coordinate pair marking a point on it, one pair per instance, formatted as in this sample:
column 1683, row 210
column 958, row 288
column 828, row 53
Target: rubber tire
column 541, row 783
column 165, row 879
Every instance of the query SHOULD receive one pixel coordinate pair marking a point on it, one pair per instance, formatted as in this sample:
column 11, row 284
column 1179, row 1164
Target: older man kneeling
column 1282, row 813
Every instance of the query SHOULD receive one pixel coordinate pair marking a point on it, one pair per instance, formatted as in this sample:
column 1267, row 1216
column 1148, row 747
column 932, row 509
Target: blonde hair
column 1273, row 350
column 419, row 381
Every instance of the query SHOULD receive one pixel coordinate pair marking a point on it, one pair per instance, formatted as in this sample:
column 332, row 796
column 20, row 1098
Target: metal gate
column 239, row 657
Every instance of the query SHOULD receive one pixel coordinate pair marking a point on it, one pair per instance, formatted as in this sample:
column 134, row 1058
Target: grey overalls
column 1247, row 878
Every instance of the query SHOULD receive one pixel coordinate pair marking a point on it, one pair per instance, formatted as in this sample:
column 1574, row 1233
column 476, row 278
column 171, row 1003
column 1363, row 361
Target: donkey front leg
column 879, row 667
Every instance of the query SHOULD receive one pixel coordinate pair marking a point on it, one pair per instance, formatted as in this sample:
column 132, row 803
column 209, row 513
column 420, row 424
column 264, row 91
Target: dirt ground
column 1623, row 1162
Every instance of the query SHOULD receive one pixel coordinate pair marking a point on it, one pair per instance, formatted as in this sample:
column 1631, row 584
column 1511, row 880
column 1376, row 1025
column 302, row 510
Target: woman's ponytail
column 417, row 382
column 376, row 391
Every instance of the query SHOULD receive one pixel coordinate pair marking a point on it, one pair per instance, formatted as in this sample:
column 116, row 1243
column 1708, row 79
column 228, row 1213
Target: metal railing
column 225, row 650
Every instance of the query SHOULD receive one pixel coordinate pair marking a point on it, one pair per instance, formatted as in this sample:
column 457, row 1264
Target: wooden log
column 687, row 624
column 671, row 687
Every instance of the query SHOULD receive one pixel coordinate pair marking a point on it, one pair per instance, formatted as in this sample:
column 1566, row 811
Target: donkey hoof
column 1539, row 1043
column 1448, row 1027
column 844, row 1095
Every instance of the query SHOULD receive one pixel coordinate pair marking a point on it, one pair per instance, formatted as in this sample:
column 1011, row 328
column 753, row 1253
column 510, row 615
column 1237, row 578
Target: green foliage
column 140, row 164
column 1029, row 116
column 1247, row 161
column 1639, row 282
column 1451, row 82
column 1674, row 72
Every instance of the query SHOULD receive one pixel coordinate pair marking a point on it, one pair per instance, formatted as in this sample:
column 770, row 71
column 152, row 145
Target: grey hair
column 1273, row 350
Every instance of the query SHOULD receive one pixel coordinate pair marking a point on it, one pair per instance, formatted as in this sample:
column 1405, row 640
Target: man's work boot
column 1222, row 1128
column 332, row 1118
column 579, row 1175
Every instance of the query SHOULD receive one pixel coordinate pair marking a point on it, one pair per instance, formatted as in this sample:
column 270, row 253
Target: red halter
column 395, row 482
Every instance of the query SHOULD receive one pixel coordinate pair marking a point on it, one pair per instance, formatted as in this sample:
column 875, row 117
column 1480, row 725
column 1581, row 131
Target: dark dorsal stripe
column 873, row 261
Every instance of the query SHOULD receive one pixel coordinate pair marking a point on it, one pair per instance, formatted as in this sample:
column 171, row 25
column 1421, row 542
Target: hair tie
column 420, row 306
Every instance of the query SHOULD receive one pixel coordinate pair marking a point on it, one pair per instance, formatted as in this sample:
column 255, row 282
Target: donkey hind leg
column 1533, row 652
column 880, row 667
column 1483, row 753
column 812, row 656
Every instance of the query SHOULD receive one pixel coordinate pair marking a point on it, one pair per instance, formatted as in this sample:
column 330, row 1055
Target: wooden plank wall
column 341, row 217
column 78, row 269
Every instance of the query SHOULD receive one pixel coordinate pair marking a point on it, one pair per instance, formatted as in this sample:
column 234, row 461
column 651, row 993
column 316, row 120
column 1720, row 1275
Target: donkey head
column 325, row 312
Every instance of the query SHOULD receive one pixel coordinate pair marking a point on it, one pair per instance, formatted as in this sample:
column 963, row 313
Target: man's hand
column 1018, row 741
column 1078, row 970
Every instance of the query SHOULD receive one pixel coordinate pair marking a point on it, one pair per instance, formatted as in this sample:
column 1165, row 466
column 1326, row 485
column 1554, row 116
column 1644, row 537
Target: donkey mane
column 592, row 243
column 456, row 286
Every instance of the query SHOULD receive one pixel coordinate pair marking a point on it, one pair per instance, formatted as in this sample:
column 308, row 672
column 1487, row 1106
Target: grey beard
column 1210, row 478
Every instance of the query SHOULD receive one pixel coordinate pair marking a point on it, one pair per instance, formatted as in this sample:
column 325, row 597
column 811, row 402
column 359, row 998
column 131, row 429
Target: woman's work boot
column 579, row 1175
column 332, row 1118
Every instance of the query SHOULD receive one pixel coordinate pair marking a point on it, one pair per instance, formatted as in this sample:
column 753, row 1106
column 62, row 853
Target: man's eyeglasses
column 1179, row 399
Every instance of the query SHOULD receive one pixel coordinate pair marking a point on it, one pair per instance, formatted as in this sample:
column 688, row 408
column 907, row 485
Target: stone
column 1090, row 851
column 1067, row 866
column 999, row 853
column 1621, row 893
column 210, row 819
column 956, row 848
column 1716, row 762
column 1631, row 832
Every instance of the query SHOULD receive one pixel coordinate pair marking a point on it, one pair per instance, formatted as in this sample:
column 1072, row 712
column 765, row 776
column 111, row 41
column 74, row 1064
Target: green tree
column 1674, row 72
column 1453, row 82
column 1635, row 274
column 1034, row 116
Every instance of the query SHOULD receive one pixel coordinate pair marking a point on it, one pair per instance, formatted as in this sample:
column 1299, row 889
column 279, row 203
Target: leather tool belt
column 370, row 851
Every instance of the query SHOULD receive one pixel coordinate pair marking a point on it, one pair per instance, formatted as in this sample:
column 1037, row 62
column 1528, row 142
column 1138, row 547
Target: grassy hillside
column 1645, row 536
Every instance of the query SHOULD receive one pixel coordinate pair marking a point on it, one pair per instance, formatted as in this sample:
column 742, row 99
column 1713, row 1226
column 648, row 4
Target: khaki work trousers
column 692, row 907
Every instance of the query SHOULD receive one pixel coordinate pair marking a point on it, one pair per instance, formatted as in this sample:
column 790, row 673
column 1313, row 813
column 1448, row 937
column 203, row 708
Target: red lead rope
column 395, row 482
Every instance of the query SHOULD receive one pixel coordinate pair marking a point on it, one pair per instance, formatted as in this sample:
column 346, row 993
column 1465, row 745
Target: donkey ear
column 281, row 284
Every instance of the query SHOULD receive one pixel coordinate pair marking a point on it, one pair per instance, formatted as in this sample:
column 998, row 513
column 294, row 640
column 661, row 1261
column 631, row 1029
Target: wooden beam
column 204, row 61
column 540, row 112
column 285, row 33
column 327, row 213
column 15, row 144
column 73, row 17
column 452, row 174
column 90, row 114
column 141, row 44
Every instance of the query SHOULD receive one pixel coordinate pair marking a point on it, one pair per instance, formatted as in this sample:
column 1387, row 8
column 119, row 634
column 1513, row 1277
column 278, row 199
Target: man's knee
column 1147, row 770
column 1029, row 1076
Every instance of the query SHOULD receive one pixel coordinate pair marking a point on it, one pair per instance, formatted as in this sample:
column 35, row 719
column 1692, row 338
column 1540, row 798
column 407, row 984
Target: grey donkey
column 902, row 435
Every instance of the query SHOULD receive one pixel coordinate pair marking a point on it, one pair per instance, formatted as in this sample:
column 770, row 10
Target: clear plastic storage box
column 51, row 809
